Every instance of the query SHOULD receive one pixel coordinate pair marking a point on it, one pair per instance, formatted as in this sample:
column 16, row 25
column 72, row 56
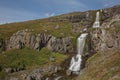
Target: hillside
column 102, row 67
column 41, row 49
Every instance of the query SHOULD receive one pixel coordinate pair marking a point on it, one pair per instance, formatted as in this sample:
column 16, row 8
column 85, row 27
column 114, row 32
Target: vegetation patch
column 102, row 66
column 28, row 59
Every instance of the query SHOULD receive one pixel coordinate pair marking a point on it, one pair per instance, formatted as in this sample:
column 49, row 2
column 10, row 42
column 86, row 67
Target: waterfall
column 76, row 61
column 97, row 23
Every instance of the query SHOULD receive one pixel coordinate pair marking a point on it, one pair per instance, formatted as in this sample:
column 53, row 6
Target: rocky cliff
column 25, row 38
column 107, row 37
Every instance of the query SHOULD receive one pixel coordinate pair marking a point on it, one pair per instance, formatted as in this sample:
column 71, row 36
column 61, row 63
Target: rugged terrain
column 38, row 49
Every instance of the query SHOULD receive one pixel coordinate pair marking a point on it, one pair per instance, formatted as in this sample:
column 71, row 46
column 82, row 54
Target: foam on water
column 97, row 22
column 76, row 61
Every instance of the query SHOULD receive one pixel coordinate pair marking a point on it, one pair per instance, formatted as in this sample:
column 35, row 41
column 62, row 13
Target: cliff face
column 107, row 37
column 25, row 38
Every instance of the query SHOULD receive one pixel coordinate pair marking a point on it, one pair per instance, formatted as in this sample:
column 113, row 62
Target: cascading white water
column 97, row 23
column 76, row 61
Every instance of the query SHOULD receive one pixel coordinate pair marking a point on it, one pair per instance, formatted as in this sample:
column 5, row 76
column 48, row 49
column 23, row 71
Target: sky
column 23, row 10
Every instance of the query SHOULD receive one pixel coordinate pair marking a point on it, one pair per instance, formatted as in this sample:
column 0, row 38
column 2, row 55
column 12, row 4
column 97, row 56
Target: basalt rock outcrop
column 25, row 38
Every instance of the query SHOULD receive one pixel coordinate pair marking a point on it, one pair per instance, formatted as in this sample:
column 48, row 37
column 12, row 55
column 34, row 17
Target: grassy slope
column 38, row 25
column 41, row 25
column 31, row 59
column 102, row 67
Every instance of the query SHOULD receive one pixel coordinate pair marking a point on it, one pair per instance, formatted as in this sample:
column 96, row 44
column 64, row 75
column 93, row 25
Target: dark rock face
column 25, row 38
column 2, row 45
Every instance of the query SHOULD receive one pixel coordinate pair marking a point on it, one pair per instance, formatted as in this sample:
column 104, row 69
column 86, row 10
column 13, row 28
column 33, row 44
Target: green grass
column 93, row 57
column 28, row 58
column 102, row 67
column 38, row 25
column 42, row 25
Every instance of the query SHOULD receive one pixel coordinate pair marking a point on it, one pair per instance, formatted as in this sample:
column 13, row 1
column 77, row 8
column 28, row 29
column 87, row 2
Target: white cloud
column 49, row 15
